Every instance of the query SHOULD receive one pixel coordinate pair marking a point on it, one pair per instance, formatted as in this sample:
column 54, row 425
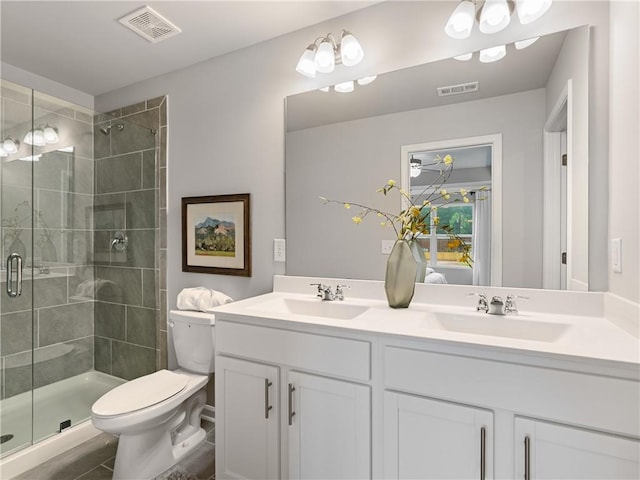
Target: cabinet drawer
column 334, row 356
column 598, row 402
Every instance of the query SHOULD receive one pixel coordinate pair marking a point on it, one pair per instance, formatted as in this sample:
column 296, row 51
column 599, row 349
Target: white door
column 247, row 428
column 432, row 439
column 550, row 451
column 329, row 428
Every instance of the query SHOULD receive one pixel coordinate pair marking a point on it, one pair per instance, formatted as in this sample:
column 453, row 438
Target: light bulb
column 493, row 54
column 530, row 10
column 351, row 51
column 464, row 57
column 520, row 44
column 344, row 87
column 495, row 16
column 38, row 138
column 460, row 22
column 50, row 134
column 307, row 65
column 325, row 57
column 367, row 80
column 10, row 145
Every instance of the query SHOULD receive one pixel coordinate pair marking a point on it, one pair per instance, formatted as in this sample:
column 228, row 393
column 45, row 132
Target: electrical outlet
column 616, row 255
column 279, row 250
column 386, row 246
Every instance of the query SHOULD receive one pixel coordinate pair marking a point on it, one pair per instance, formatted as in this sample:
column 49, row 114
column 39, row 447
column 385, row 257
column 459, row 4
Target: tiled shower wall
column 130, row 193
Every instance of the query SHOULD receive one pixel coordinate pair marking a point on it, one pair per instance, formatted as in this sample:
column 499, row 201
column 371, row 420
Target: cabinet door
column 551, row 451
column 433, row 439
column 329, row 428
column 247, row 420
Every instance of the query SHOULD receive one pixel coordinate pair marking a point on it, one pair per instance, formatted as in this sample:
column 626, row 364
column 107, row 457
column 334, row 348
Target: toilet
column 157, row 417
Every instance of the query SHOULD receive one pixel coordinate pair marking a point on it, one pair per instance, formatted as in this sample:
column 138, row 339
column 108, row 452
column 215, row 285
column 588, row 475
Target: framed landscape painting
column 216, row 236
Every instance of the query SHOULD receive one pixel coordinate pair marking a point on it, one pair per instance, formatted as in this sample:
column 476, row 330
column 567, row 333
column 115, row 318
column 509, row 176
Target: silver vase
column 421, row 260
column 400, row 278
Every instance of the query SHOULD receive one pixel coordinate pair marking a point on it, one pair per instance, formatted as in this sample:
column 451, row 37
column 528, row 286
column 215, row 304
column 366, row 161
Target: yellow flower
column 414, row 211
column 383, row 224
column 356, row 219
column 347, row 206
column 436, row 220
column 463, row 191
column 425, row 203
column 391, row 182
column 448, row 159
column 465, row 199
column 443, row 192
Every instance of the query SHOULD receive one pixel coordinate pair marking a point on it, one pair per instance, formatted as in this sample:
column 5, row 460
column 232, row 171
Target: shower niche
column 87, row 315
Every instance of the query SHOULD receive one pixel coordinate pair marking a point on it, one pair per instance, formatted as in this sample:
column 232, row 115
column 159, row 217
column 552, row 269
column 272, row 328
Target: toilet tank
column 193, row 336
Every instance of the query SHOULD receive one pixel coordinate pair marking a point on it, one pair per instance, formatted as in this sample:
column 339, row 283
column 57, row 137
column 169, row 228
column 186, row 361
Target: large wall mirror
column 527, row 112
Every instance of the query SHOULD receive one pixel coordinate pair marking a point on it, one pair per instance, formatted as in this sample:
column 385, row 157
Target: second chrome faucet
column 325, row 293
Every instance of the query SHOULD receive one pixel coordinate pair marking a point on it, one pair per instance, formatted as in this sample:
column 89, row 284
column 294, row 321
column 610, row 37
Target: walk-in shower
column 78, row 314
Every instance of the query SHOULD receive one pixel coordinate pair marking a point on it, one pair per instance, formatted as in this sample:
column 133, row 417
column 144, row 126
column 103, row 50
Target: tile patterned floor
column 94, row 460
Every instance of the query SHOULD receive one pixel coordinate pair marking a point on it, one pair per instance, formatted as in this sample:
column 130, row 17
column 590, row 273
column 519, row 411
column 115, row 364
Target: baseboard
column 622, row 312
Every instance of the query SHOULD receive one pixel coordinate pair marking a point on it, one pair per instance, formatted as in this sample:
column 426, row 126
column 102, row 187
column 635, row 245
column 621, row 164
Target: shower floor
column 70, row 399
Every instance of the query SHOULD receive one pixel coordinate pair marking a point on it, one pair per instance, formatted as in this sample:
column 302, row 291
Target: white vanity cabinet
column 430, row 439
column 319, row 389
column 247, row 422
column 576, row 425
column 551, row 451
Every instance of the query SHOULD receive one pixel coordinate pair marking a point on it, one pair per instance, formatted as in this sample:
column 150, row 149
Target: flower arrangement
column 421, row 214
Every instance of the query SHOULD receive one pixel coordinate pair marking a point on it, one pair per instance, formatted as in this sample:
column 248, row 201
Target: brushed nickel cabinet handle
column 483, row 453
column 267, row 407
column 291, row 412
column 527, row 458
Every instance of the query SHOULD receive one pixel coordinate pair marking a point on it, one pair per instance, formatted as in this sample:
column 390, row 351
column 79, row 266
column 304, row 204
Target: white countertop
column 586, row 338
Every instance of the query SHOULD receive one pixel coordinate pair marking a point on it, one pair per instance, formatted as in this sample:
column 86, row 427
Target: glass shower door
column 17, row 326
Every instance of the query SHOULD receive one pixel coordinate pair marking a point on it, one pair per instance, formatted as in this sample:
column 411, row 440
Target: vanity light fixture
column 10, row 146
column 520, row 44
column 493, row 54
column 42, row 136
column 464, row 57
column 344, row 87
column 493, row 15
column 415, row 167
column 324, row 56
column 349, row 86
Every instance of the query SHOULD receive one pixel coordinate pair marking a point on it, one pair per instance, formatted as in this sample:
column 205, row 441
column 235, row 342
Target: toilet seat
column 140, row 393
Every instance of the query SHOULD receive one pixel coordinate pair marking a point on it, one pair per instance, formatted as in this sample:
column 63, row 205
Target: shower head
column 107, row 130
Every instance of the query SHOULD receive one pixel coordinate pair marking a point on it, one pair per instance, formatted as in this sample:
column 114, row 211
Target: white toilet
column 157, row 417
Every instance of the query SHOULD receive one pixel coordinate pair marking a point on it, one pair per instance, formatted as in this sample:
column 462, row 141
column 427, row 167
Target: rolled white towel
column 201, row 299
column 434, row 277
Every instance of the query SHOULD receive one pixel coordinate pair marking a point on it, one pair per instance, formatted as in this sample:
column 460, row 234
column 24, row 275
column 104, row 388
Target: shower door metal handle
column 14, row 259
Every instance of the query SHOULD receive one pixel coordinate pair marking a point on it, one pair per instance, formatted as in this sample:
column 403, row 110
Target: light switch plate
column 386, row 246
column 616, row 255
column 279, row 250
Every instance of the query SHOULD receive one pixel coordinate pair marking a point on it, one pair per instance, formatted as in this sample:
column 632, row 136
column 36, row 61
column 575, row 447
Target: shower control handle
column 119, row 241
column 14, row 259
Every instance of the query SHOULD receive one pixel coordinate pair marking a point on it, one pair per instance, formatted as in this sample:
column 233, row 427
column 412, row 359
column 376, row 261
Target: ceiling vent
column 149, row 24
column 457, row 89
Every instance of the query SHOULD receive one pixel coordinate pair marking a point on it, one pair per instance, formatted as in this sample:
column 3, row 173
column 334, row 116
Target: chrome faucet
column 510, row 303
column 496, row 306
column 482, row 302
column 325, row 293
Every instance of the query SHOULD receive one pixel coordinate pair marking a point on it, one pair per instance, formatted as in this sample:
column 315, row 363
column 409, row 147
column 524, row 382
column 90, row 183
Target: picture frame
column 216, row 234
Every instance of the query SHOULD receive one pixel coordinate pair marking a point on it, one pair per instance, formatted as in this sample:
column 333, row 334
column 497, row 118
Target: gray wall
column 348, row 161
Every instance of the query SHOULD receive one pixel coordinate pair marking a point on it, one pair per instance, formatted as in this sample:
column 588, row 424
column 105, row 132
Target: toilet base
column 146, row 455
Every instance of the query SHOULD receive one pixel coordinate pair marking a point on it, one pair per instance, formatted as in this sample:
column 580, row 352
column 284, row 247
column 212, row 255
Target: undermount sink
column 313, row 307
column 509, row 326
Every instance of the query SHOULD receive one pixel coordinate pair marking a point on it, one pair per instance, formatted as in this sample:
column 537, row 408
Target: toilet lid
column 140, row 393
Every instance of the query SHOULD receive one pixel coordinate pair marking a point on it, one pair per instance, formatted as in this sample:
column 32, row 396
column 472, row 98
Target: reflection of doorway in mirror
column 478, row 171
column 557, row 255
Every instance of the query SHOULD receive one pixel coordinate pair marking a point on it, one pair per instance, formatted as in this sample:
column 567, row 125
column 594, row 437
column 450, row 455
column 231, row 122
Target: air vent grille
column 457, row 89
column 149, row 24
